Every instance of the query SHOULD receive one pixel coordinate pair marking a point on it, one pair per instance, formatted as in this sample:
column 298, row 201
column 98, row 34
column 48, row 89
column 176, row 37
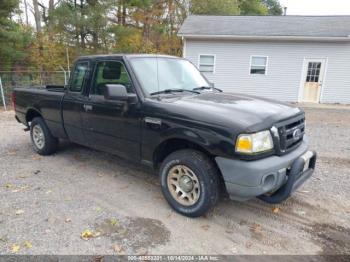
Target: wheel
column 190, row 182
column 43, row 141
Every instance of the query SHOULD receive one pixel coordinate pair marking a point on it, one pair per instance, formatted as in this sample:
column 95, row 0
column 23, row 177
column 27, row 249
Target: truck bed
column 45, row 100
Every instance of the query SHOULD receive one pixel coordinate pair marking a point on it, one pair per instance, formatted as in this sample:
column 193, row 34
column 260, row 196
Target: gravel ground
column 48, row 202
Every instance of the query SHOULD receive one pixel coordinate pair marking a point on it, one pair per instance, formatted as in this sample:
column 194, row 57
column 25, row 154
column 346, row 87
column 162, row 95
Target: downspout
column 184, row 47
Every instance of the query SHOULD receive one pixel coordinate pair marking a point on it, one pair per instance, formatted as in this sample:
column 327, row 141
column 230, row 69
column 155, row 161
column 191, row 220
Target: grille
column 291, row 133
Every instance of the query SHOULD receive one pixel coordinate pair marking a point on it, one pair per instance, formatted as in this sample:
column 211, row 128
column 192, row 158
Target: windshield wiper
column 168, row 91
column 207, row 88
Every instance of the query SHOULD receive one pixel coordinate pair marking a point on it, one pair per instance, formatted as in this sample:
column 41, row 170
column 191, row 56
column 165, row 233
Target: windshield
column 159, row 74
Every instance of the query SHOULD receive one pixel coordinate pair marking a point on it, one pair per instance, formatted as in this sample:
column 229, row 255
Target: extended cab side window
column 110, row 72
column 78, row 77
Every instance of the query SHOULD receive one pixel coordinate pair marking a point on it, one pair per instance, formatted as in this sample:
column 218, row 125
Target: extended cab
column 161, row 111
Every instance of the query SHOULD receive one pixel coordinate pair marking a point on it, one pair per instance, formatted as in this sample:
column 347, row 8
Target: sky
column 317, row 7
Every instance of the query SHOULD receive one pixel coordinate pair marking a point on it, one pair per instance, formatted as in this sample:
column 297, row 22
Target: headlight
column 254, row 143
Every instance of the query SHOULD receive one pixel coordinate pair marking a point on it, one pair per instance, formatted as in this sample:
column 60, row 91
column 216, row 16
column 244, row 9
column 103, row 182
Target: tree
column 252, row 7
column 235, row 7
column 273, row 6
column 37, row 16
column 104, row 26
column 214, row 7
column 47, row 55
column 82, row 24
column 148, row 26
column 14, row 38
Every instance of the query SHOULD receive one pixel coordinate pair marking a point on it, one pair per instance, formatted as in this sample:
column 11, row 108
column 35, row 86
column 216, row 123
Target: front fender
column 194, row 136
column 214, row 140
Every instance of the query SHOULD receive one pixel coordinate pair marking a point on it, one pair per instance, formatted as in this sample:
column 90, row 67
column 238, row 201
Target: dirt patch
column 333, row 239
column 134, row 233
column 335, row 161
column 256, row 232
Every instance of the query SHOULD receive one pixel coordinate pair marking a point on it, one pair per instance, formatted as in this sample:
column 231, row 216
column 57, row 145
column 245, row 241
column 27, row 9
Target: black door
column 73, row 102
column 112, row 126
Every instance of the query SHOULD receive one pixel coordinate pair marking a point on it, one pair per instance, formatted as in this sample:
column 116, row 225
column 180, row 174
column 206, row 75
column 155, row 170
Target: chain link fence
column 29, row 79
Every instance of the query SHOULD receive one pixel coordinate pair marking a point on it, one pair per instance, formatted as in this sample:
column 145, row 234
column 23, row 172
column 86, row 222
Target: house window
column 258, row 65
column 207, row 63
column 313, row 72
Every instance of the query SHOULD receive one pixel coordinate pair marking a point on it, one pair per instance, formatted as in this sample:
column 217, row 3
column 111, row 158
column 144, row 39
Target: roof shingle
column 268, row 26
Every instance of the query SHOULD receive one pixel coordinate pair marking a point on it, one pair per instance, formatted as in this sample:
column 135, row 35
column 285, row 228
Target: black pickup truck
column 161, row 111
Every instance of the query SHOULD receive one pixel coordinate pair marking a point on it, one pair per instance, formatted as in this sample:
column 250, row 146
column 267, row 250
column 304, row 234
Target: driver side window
column 110, row 72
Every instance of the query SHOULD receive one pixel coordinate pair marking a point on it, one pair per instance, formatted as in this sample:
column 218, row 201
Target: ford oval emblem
column 297, row 134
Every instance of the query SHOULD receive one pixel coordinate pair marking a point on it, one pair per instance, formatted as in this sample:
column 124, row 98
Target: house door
column 314, row 70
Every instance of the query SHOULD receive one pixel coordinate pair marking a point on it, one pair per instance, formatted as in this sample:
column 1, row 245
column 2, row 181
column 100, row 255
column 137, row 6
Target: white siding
column 284, row 69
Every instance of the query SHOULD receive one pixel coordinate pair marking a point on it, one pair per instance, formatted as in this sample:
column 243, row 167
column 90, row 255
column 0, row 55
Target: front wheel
column 190, row 183
column 43, row 141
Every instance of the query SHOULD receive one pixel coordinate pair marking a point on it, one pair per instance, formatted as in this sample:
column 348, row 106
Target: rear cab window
column 79, row 76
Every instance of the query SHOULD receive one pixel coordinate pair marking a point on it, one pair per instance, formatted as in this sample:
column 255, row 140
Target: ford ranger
column 162, row 112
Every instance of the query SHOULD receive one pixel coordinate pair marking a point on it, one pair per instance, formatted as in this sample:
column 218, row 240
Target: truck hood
column 248, row 113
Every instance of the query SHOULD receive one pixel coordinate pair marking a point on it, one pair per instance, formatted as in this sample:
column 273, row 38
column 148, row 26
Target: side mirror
column 118, row 92
column 115, row 92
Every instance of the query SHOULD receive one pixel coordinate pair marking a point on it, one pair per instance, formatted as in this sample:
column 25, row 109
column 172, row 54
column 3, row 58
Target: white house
column 289, row 58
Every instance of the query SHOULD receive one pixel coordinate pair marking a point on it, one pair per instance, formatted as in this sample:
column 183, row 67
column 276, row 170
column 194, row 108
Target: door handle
column 87, row 107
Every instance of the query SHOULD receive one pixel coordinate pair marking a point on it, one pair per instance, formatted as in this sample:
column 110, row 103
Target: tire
column 40, row 132
column 174, row 172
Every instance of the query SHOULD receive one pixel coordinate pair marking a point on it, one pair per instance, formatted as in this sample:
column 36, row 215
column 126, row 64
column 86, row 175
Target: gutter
column 290, row 38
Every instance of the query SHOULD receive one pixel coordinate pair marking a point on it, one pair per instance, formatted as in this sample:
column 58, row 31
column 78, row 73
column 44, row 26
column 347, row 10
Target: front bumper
column 272, row 179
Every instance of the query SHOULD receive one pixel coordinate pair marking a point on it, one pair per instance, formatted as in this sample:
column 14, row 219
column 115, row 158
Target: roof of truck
column 123, row 55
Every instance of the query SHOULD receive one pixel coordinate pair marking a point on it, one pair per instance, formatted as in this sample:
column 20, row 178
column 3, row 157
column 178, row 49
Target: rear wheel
column 43, row 141
column 189, row 181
